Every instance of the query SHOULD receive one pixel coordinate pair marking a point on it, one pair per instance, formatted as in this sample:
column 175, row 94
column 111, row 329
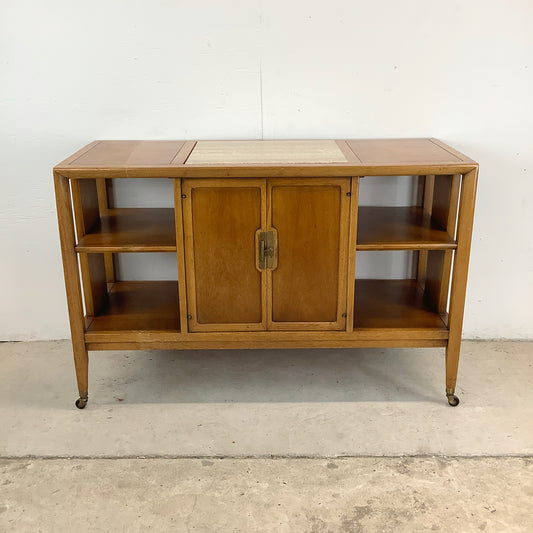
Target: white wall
column 458, row 70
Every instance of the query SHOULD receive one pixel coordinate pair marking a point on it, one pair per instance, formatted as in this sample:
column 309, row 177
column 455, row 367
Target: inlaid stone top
column 265, row 152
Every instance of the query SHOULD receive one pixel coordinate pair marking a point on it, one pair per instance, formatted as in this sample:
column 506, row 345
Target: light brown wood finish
column 129, row 153
column 307, row 290
column 349, row 154
column 86, row 216
column 400, row 228
column 225, row 291
column 94, row 282
column 71, row 158
column 406, row 151
column 101, row 191
column 269, row 344
column 102, row 188
column 86, row 208
column 180, row 246
column 110, row 270
column 148, row 315
column 352, row 243
column 132, row 230
column 374, row 157
column 445, row 203
column 297, row 170
column 451, row 226
column 427, row 202
column 72, row 281
column 340, row 170
column 452, row 150
column 140, row 306
column 368, row 334
column 393, row 304
column 183, row 153
column 460, row 272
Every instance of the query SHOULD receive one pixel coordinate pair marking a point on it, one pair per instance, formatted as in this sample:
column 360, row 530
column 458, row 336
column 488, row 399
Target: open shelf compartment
column 131, row 230
column 400, row 228
column 138, row 306
column 393, row 304
column 426, row 219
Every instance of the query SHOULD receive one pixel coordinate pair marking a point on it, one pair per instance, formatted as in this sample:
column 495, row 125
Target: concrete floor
column 350, row 495
column 336, row 408
column 266, row 402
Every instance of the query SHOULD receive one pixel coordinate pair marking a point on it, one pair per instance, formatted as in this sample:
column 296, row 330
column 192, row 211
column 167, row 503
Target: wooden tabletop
column 351, row 157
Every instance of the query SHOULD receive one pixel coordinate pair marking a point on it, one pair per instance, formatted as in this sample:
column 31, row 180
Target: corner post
column 459, row 279
column 72, row 284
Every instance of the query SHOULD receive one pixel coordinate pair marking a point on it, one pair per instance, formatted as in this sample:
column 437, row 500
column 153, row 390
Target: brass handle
column 266, row 255
column 272, row 248
column 262, row 245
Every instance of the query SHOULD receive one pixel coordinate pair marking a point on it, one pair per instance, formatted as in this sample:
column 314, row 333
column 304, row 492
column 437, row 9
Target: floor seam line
column 272, row 457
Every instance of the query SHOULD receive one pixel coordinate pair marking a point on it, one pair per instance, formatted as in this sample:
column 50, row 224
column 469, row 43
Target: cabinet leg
column 72, row 285
column 81, row 363
column 452, row 365
column 458, row 288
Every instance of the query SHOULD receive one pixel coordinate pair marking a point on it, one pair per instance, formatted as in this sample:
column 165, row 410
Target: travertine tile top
column 265, row 152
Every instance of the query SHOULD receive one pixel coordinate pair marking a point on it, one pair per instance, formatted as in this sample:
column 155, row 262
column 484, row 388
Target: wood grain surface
column 304, row 191
column 268, row 158
column 132, row 230
column 308, row 287
column 224, row 287
column 400, row 228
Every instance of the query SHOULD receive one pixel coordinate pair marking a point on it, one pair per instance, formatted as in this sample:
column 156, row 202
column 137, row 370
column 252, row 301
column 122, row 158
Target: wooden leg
column 81, row 363
column 72, row 285
column 460, row 272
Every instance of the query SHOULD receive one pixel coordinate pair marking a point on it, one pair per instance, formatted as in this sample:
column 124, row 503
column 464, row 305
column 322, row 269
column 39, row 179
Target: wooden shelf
column 132, row 230
column 400, row 228
column 139, row 306
column 386, row 304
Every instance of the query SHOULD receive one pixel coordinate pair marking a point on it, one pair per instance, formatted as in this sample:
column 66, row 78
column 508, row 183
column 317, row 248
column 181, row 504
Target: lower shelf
column 140, row 306
column 145, row 314
column 381, row 304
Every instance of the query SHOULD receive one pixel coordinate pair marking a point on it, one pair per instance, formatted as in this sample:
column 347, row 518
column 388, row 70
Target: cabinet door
column 307, row 288
column 225, row 289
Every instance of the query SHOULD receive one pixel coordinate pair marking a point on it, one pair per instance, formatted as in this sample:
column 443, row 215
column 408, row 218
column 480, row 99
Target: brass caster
column 453, row 400
column 81, row 402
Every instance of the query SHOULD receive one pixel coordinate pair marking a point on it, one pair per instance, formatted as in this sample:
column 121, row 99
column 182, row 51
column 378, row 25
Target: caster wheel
column 81, row 403
column 453, row 400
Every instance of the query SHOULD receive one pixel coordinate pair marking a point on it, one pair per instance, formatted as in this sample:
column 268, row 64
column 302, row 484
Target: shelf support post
column 103, row 187
column 72, row 281
column 459, row 279
column 352, row 245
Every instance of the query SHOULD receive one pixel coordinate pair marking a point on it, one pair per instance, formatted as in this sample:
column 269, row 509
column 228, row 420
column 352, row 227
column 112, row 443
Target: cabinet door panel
column 225, row 290
column 308, row 287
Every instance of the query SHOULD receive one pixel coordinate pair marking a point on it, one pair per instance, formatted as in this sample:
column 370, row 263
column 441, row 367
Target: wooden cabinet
column 306, row 289
column 266, row 254
column 266, row 235
column 225, row 290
